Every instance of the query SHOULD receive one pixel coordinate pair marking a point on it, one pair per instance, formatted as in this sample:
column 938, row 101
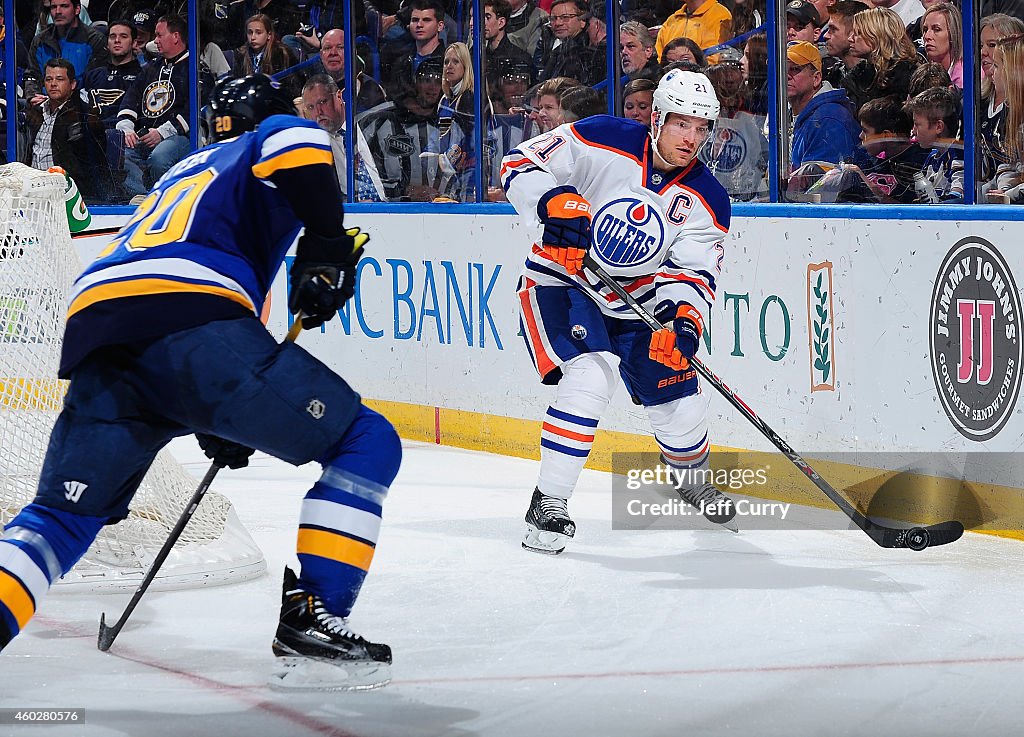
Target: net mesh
column 37, row 266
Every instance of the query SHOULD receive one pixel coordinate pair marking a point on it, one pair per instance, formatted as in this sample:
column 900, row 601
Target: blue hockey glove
column 565, row 214
column 225, row 453
column 323, row 275
column 674, row 348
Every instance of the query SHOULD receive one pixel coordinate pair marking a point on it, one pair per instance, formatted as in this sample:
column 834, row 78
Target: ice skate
column 712, row 503
column 316, row 650
column 548, row 525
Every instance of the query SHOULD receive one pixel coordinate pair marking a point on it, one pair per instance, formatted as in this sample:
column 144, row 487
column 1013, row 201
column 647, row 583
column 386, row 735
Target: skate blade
column 545, row 543
column 310, row 674
column 730, row 526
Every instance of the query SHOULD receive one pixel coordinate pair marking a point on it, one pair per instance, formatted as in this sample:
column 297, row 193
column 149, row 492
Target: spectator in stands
column 942, row 35
column 457, row 105
column 400, row 130
column 746, row 16
column 565, row 50
column 144, row 21
column 582, row 102
column 597, row 28
column 323, row 103
column 154, row 115
column 549, row 102
column 103, row 87
column 707, row 22
column 1007, row 148
column 526, row 24
column 887, row 56
column 513, row 81
column 937, row 113
column 824, row 127
column 727, row 79
column 925, row 77
column 426, row 22
column 284, row 13
column 894, row 161
column 263, row 53
column 637, row 97
column 456, row 113
column 499, row 46
column 636, row 52
column 369, row 93
column 837, row 40
column 62, row 132
column 802, row 21
column 754, row 64
column 682, row 49
column 823, row 9
column 908, row 10
column 991, row 124
column 68, row 38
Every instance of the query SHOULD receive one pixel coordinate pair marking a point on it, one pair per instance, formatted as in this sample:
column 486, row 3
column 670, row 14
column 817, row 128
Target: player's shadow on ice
column 349, row 714
column 741, row 565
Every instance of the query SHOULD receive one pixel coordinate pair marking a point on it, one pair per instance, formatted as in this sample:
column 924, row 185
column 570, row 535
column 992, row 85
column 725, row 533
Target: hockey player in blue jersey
column 655, row 219
column 163, row 340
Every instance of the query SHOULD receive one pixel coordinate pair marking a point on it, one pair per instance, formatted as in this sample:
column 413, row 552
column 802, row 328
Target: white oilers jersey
column 660, row 234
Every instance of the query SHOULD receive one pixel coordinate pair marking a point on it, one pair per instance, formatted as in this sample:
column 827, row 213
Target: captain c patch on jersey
column 628, row 232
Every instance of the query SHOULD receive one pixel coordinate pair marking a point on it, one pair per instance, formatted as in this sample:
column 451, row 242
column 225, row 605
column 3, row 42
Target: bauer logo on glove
column 567, row 236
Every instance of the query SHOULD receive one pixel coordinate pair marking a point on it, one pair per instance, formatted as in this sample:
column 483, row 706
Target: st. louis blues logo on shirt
column 628, row 232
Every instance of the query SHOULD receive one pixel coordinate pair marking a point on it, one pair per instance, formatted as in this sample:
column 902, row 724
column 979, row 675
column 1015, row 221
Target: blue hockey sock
column 39, row 546
column 341, row 514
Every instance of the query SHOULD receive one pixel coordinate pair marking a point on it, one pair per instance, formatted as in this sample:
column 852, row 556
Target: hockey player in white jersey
column 648, row 211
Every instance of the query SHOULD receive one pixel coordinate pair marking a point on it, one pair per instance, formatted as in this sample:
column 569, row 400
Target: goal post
column 38, row 263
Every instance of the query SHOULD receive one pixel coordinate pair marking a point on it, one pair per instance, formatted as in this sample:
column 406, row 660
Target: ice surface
column 655, row 632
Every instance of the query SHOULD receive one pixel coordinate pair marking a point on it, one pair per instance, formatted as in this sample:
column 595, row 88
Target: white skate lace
column 554, row 506
column 332, row 622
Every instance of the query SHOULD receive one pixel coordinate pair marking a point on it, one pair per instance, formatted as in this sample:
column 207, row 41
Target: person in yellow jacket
column 707, row 22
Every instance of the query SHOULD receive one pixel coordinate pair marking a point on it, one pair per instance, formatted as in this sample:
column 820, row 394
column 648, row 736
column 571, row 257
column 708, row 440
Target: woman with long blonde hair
column 457, row 101
column 1007, row 73
column 992, row 122
column 887, row 56
column 456, row 115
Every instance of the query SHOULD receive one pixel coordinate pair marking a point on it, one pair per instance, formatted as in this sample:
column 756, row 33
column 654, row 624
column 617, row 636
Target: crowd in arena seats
column 872, row 88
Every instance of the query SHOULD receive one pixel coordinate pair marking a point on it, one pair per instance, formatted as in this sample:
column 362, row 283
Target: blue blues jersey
column 207, row 242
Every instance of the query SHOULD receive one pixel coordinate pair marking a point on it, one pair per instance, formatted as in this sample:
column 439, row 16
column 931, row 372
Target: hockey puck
column 917, row 538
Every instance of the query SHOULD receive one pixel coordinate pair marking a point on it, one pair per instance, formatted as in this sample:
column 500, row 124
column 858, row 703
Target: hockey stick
column 915, row 538
column 107, row 635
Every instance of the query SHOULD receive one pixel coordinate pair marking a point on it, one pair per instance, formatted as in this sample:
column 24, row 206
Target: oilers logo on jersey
column 628, row 232
column 729, row 150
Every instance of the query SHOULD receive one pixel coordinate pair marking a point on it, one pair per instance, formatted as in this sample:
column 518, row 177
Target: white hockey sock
column 567, row 436
column 681, row 429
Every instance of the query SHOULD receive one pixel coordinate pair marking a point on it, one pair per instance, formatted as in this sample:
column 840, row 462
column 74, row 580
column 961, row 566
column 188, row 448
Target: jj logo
column 973, row 353
column 974, row 338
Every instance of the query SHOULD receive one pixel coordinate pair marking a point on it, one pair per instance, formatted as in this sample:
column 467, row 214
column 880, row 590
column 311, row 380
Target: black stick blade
column 106, row 636
column 917, row 538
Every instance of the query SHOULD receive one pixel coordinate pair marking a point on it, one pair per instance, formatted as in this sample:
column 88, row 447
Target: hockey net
column 37, row 266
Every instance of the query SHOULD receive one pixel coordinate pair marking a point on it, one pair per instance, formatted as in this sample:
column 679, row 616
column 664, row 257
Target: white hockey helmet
column 687, row 93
